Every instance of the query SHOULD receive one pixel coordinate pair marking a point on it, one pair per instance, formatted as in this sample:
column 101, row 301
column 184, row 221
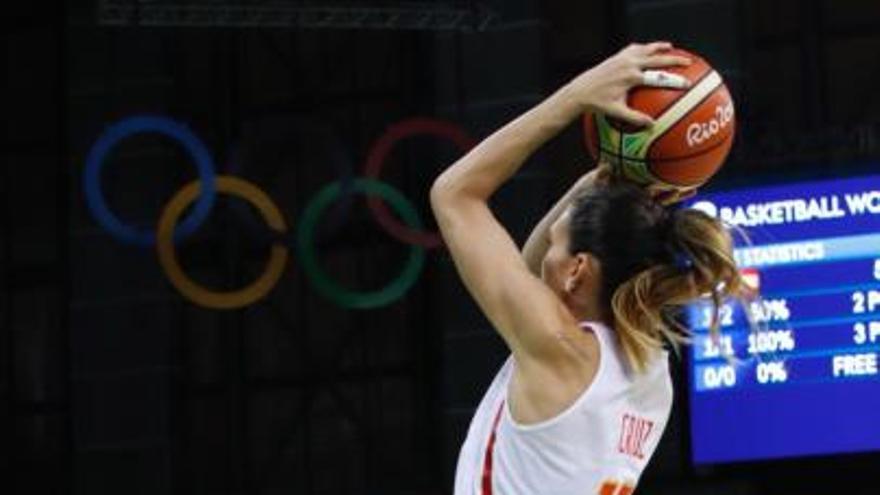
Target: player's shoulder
column 547, row 385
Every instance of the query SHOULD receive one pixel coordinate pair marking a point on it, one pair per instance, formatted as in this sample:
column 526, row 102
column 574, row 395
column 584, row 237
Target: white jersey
column 597, row 446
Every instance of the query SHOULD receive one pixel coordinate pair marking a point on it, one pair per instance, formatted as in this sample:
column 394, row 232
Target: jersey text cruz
column 634, row 432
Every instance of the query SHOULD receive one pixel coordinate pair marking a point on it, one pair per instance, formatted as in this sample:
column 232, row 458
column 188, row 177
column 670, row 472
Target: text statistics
column 795, row 371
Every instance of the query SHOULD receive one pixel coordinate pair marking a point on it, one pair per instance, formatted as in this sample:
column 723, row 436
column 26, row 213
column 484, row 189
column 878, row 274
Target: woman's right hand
column 604, row 88
column 599, row 176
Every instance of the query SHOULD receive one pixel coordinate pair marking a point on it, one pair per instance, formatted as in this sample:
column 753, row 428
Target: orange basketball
column 691, row 136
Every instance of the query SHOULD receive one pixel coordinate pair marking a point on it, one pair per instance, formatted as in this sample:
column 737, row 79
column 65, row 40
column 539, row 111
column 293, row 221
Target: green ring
column 330, row 289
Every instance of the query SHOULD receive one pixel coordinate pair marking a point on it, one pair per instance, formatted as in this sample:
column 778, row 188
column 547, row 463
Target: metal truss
column 227, row 14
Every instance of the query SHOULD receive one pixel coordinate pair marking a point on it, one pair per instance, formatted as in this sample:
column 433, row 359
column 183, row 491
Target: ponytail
column 697, row 261
column 654, row 262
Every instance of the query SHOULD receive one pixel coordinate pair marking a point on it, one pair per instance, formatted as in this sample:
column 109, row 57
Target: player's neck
column 586, row 310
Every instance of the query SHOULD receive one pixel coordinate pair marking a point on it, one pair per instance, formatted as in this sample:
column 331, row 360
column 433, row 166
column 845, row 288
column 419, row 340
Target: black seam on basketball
column 682, row 157
column 704, row 75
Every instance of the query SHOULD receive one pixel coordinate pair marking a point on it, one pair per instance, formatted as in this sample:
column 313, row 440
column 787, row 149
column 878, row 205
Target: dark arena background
column 296, row 338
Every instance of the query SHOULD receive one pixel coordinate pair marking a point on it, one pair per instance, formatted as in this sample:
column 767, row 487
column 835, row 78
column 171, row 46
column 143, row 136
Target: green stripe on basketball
column 637, row 171
column 636, row 145
column 609, row 137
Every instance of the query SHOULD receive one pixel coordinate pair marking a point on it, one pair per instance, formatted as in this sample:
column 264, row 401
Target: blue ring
column 134, row 125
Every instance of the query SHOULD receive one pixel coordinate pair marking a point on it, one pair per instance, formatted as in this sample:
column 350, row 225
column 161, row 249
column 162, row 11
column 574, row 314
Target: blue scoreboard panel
column 803, row 378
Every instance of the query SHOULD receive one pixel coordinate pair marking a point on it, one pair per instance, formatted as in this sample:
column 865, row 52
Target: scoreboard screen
column 803, row 377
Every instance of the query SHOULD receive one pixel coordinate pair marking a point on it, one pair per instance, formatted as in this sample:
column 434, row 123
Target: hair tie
column 682, row 261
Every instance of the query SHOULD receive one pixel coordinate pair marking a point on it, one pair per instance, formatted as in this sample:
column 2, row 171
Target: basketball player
column 585, row 308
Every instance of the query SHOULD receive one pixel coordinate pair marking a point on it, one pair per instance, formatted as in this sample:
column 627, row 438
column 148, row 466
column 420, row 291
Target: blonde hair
column 645, row 307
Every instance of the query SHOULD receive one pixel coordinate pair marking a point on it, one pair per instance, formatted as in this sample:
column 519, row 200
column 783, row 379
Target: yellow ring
column 195, row 292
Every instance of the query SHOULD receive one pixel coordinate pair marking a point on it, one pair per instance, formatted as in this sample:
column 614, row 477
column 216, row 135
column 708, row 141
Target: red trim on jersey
column 487, row 460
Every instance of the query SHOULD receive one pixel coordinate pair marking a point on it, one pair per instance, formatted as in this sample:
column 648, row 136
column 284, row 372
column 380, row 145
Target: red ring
column 376, row 158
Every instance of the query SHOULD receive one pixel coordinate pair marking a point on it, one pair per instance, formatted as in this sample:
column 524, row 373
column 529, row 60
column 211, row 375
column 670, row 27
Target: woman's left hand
column 669, row 196
column 603, row 175
column 604, row 88
column 599, row 176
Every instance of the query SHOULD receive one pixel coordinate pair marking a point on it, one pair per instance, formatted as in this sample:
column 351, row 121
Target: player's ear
column 584, row 266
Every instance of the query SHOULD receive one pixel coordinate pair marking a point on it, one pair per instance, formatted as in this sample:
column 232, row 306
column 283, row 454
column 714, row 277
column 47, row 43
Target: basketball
column 691, row 136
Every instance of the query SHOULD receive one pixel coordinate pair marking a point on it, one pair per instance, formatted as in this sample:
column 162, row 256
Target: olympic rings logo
column 201, row 193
